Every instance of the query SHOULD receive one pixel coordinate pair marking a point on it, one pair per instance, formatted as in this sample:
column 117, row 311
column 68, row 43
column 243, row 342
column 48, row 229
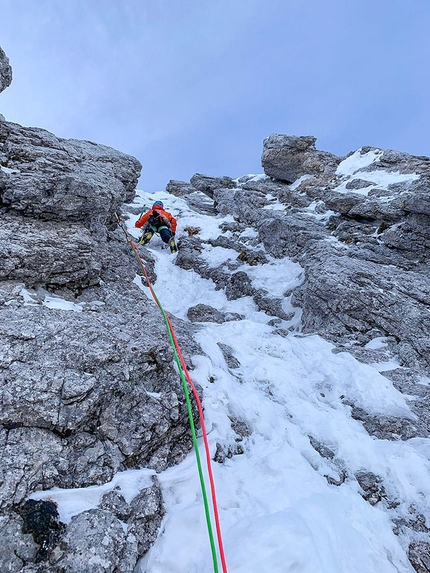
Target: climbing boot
column 172, row 245
column 145, row 238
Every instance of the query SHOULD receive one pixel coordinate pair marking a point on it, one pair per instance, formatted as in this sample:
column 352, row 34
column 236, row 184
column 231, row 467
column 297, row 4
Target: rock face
column 96, row 541
column 361, row 235
column 208, row 184
column 5, row 71
column 87, row 384
column 47, row 253
column 88, row 391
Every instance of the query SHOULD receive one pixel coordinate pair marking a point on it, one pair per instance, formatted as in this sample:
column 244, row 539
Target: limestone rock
column 198, row 200
column 114, row 502
column 5, row 71
column 95, row 542
column 228, row 353
column 179, row 188
column 206, row 313
column 147, row 511
column 345, row 295
column 207, row 184
column 61, row 393
column 47, row 177
column 238, row 286
column 87, row 382
column 17, row 548
column 47, row 253
column 419, row 555
column 288, row 157
column 372, row 487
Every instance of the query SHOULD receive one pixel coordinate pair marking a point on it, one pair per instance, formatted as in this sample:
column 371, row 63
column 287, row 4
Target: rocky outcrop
column 5, row 71
column 198, row 200
column 208, row 184
column 95, row 541
column 111, row 537
column 357, row 267
column 206, row 313
column 50, row 178
column 60, row 392
column 48, row 253
column 366, row 255
column 288, row 157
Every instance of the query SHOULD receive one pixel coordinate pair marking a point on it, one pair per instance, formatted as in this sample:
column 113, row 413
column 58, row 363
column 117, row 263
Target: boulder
column 288, row 157
column 205, row 313
column 207, row 184
column 95, row 542
column 179, row 188
column 198, row 201
column 146, row 514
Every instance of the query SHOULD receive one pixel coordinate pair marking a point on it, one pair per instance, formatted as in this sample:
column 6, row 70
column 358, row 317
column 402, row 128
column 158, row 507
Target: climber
column 157, row 220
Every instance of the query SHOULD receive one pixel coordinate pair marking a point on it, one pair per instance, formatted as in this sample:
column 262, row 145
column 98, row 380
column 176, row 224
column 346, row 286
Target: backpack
column 157, row 220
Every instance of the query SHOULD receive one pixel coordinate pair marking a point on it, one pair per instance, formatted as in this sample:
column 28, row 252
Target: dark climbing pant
column 148, row 232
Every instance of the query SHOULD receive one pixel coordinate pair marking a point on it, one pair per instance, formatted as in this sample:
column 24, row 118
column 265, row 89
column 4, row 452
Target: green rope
column 190, row 416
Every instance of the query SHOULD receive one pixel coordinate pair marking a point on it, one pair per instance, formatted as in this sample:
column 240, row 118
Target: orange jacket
column 143, row 219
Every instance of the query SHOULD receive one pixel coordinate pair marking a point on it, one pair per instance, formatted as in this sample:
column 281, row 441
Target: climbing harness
column 185, row 377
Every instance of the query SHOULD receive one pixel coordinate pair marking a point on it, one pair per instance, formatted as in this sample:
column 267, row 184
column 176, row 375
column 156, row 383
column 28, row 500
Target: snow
column 278, row 512
column 252, row 177
column 72, row 502
column 250, row 233
column 28, row 298
column 51, row 301
column 58, row 303
column 381, row 178
column 358, row 160
column 297, row 182
column 376, row 343
column 277, row 276
column 8, row 171
column 215, row 256
column 275, row 204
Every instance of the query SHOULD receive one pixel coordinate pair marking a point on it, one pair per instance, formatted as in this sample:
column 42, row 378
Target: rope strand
column 185, row 377
column 189, row 408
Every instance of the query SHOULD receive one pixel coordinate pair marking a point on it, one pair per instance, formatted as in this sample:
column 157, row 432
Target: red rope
column 201, row 415
column 208, row 456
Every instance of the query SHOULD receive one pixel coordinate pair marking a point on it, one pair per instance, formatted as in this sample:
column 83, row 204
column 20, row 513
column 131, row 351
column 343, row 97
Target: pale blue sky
column 196, row 85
